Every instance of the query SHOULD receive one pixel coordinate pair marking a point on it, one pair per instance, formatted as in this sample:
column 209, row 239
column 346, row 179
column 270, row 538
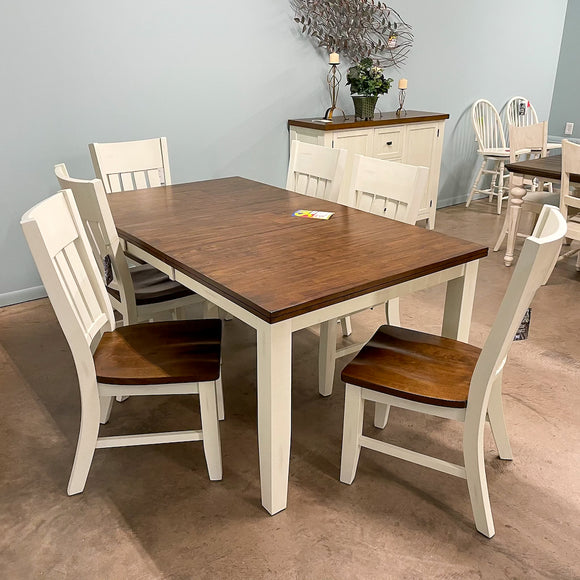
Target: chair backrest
column 520, row 112
column 537, row 259
column 132, row 164
column 97, row 219
column 59, row 245
column 487, row 125
column 570, row 164
column 523, row 138
column 393, row 190
column 315, row 170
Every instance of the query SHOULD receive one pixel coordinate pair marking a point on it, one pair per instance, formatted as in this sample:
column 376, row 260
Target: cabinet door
column 423, row 147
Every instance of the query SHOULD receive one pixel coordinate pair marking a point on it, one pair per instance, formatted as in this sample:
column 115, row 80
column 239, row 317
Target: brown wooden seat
column 415, row 366
column 152, row 286
column 160, row 353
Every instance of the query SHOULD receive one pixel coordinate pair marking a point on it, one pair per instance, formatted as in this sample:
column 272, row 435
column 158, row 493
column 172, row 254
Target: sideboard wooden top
column 390, row 118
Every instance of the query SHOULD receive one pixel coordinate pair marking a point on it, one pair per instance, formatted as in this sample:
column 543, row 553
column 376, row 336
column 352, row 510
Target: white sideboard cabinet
column 415, row 138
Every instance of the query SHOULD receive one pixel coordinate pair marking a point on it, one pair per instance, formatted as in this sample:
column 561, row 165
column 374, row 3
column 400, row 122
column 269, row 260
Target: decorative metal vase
column 364, row 107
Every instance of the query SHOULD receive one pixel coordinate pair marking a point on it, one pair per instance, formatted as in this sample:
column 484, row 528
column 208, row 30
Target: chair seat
column 152, row 286
column 415, row 366
column 551, row 146
column 500, row 153
column 152, row 353
column 543, row 197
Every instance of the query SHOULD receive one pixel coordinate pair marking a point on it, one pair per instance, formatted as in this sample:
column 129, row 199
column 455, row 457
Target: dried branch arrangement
column 356, row 29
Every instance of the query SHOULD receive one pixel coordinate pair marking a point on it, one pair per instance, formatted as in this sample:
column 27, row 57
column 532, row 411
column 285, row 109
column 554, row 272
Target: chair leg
column 392, row 312
column 476, row 182
column 211, row 429
column 88, row 433
column 497, row 420
column 500, row 187
column 381, row 415
column 476, row 480
column 326, row 357
column 210, row 310
column 346, row 326
column 351, row 433
column 503, row 233
column 493, row 183
column 106, row 406
column 221, row 410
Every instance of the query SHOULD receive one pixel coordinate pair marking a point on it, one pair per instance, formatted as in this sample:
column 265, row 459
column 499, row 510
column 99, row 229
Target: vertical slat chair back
column 93, row 207
column 570, row 165
column 387, row 188
column 132, row 164
column 487, row 125
column 520, row 112
column 526, row 137
column 536, row 260
column 60, row 247
column 315, row 170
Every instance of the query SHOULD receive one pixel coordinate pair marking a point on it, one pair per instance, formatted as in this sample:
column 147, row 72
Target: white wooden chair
column 526, row 140
column 446, row 378
column 317, row 171
column 389, row 189
column 162, row 358
column 492, row 147
column 138, row 293
column 521, row 113
column 131, row 165
column 570, row 203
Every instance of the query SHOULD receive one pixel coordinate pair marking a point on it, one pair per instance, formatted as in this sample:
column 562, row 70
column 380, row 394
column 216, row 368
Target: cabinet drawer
column 388, row 143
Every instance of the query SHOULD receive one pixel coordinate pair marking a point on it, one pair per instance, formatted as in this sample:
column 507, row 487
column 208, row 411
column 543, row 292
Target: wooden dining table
column 237, row 243
column 546, row 168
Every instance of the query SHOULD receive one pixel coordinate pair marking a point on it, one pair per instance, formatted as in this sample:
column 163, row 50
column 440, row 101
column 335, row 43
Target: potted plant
column 366, row 82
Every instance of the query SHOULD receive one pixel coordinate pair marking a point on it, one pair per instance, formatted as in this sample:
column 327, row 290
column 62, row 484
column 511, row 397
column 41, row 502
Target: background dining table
column 237, row 243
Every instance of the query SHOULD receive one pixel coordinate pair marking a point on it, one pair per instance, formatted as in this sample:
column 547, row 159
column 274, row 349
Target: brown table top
column 548, row 167
column 239, row 238
column 389, row 118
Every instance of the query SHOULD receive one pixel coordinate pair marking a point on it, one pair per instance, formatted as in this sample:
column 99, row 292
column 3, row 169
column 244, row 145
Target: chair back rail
column 315, row 170
column 131, row 165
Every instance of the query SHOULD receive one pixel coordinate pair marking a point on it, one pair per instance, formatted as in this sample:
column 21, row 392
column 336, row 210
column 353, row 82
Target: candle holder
column 400, row 111
column 333, row 79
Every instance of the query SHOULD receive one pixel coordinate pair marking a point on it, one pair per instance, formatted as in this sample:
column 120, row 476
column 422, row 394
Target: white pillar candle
column 403, row 83
column 334, row 58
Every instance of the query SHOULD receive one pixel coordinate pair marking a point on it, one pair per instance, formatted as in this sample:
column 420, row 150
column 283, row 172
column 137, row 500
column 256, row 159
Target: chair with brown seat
column 138, row 293
column 163, row 358
column 447, row 378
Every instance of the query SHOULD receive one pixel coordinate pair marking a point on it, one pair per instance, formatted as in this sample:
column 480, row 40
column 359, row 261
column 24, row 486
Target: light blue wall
column 565, row 101
column 220, row 81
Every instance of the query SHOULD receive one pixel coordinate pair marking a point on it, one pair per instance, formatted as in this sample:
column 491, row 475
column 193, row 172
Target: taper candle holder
column 400, row 111
column 333, row 79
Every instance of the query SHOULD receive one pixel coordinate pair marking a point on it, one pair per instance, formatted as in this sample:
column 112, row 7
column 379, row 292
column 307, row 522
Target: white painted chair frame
column 527, row 140
column 388, row 189
column 131, row 165
column 492, row 147
column 484, row 402
column 60, row 247
column 569, row 200
column 315, row 170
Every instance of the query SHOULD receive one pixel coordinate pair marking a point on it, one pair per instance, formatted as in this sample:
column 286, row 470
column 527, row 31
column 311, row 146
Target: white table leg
column 517, row 193
column 274, row 411
column 326, row 356
column 459, row 304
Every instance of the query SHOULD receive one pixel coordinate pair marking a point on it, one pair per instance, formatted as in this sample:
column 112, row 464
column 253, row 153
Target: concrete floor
column 151, row 512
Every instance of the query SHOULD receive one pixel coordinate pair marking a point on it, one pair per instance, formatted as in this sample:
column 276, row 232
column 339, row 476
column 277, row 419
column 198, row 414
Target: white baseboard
column 25, row 295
